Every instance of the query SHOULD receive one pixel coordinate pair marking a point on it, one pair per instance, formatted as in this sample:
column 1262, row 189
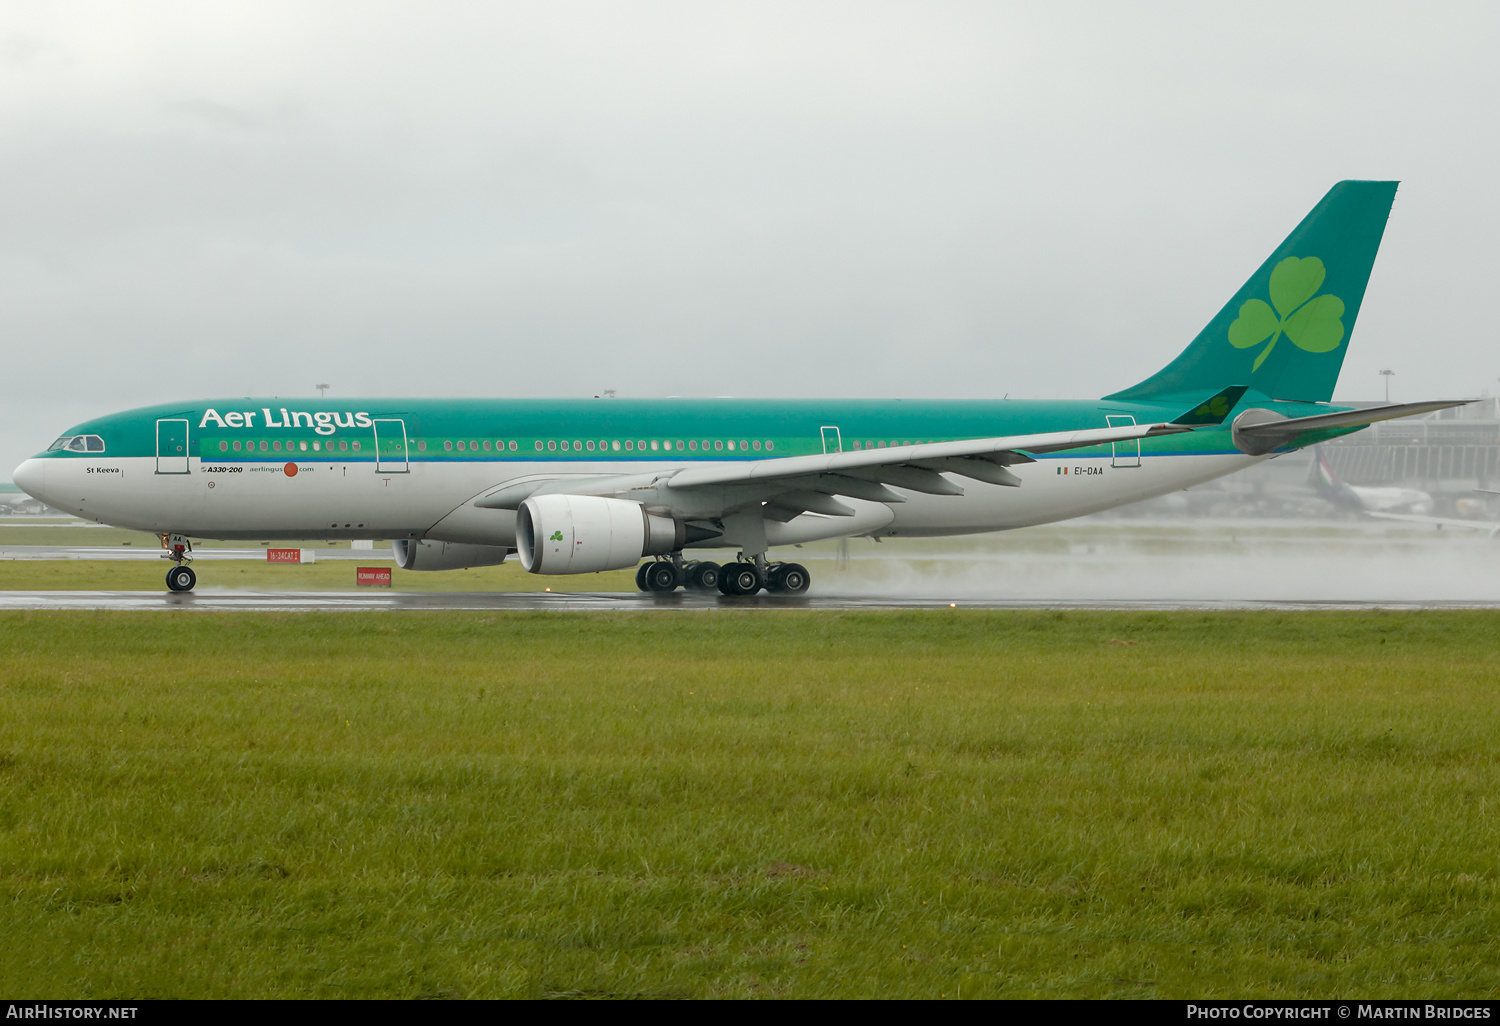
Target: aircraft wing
column 1001, row 451
column 799, row 484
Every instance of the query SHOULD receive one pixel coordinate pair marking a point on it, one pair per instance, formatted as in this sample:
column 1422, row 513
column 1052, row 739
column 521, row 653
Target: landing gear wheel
column 741, row 579
column 704, row 576
column 181, row 578
column 640, row 577
column 793, row 578
column 661, row 577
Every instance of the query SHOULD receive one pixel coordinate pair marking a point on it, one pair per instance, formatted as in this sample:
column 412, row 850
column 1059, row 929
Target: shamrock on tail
column 1314, row 325
column 1218, row 406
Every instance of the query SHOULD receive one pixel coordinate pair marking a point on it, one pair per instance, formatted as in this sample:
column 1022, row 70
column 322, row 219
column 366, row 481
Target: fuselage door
column 390, row 446
column 172, row 446
column 1128, row 452
column 831, row 440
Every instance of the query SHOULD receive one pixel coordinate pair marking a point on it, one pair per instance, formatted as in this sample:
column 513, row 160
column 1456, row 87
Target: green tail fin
column 1286, row 330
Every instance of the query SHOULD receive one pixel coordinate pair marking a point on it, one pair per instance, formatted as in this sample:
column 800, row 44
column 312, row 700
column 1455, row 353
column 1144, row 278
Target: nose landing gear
column 179, row 550
column 181, row 578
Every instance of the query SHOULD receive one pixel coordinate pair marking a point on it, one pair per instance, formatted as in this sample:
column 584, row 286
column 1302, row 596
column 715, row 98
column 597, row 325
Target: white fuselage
column 436, row 500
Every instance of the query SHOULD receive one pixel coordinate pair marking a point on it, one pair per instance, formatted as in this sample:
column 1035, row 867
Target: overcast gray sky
column 852, row 199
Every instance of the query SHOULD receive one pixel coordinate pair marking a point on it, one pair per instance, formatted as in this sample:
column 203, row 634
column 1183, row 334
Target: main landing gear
column 667, row 575
column 742, row 578
column 179, row 550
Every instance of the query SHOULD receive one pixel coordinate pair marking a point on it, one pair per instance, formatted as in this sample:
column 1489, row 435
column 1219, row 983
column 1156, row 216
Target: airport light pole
column 1387, row 375
column 324, row 388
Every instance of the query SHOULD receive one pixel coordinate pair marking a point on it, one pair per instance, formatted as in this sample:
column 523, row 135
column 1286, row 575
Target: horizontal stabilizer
column 1257, row 432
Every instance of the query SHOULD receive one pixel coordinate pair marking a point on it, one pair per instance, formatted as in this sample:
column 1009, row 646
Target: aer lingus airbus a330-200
column 580, row 486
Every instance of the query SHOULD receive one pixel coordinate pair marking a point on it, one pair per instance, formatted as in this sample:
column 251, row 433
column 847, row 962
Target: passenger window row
column 344, row 445
column 607, row 445
column 94, row 443
column 471, row 446
column 655, row 445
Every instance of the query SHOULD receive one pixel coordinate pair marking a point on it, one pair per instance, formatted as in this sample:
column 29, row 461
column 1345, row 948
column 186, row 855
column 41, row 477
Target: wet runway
column 1139, row 565
column 115, row 553
column 224, row 600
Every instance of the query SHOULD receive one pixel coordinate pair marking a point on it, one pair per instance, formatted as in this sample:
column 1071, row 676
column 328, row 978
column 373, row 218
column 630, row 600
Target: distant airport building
column 1452, row 451
column 1446, row 454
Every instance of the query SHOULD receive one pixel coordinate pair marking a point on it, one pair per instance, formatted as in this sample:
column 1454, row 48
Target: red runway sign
column 372, row 576
column 286, row 556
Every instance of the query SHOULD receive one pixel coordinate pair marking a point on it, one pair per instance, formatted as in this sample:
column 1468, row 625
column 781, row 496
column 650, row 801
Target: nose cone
column 31, row 478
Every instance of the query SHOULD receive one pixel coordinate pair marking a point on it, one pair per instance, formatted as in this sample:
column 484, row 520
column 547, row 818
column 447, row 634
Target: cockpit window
column 78, row 443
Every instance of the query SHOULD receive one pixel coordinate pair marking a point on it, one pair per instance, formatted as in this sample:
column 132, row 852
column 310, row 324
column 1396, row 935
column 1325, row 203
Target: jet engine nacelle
column 579, row 534
column 428, row 555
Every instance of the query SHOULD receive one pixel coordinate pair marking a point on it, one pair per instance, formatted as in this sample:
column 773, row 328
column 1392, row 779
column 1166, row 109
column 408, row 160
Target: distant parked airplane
column 1362, row 498
column 576, row 486
column 17, row 501
column 1410, row 505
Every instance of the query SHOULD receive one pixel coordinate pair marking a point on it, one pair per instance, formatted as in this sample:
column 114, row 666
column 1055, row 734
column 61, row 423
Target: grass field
column 908, row 804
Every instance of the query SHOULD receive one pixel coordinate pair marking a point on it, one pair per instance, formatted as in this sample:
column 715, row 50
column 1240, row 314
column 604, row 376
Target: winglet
column 1214, row 410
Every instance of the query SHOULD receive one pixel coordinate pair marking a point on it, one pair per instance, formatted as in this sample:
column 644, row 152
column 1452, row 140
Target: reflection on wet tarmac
column 210, row 600
column 1084, row 564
